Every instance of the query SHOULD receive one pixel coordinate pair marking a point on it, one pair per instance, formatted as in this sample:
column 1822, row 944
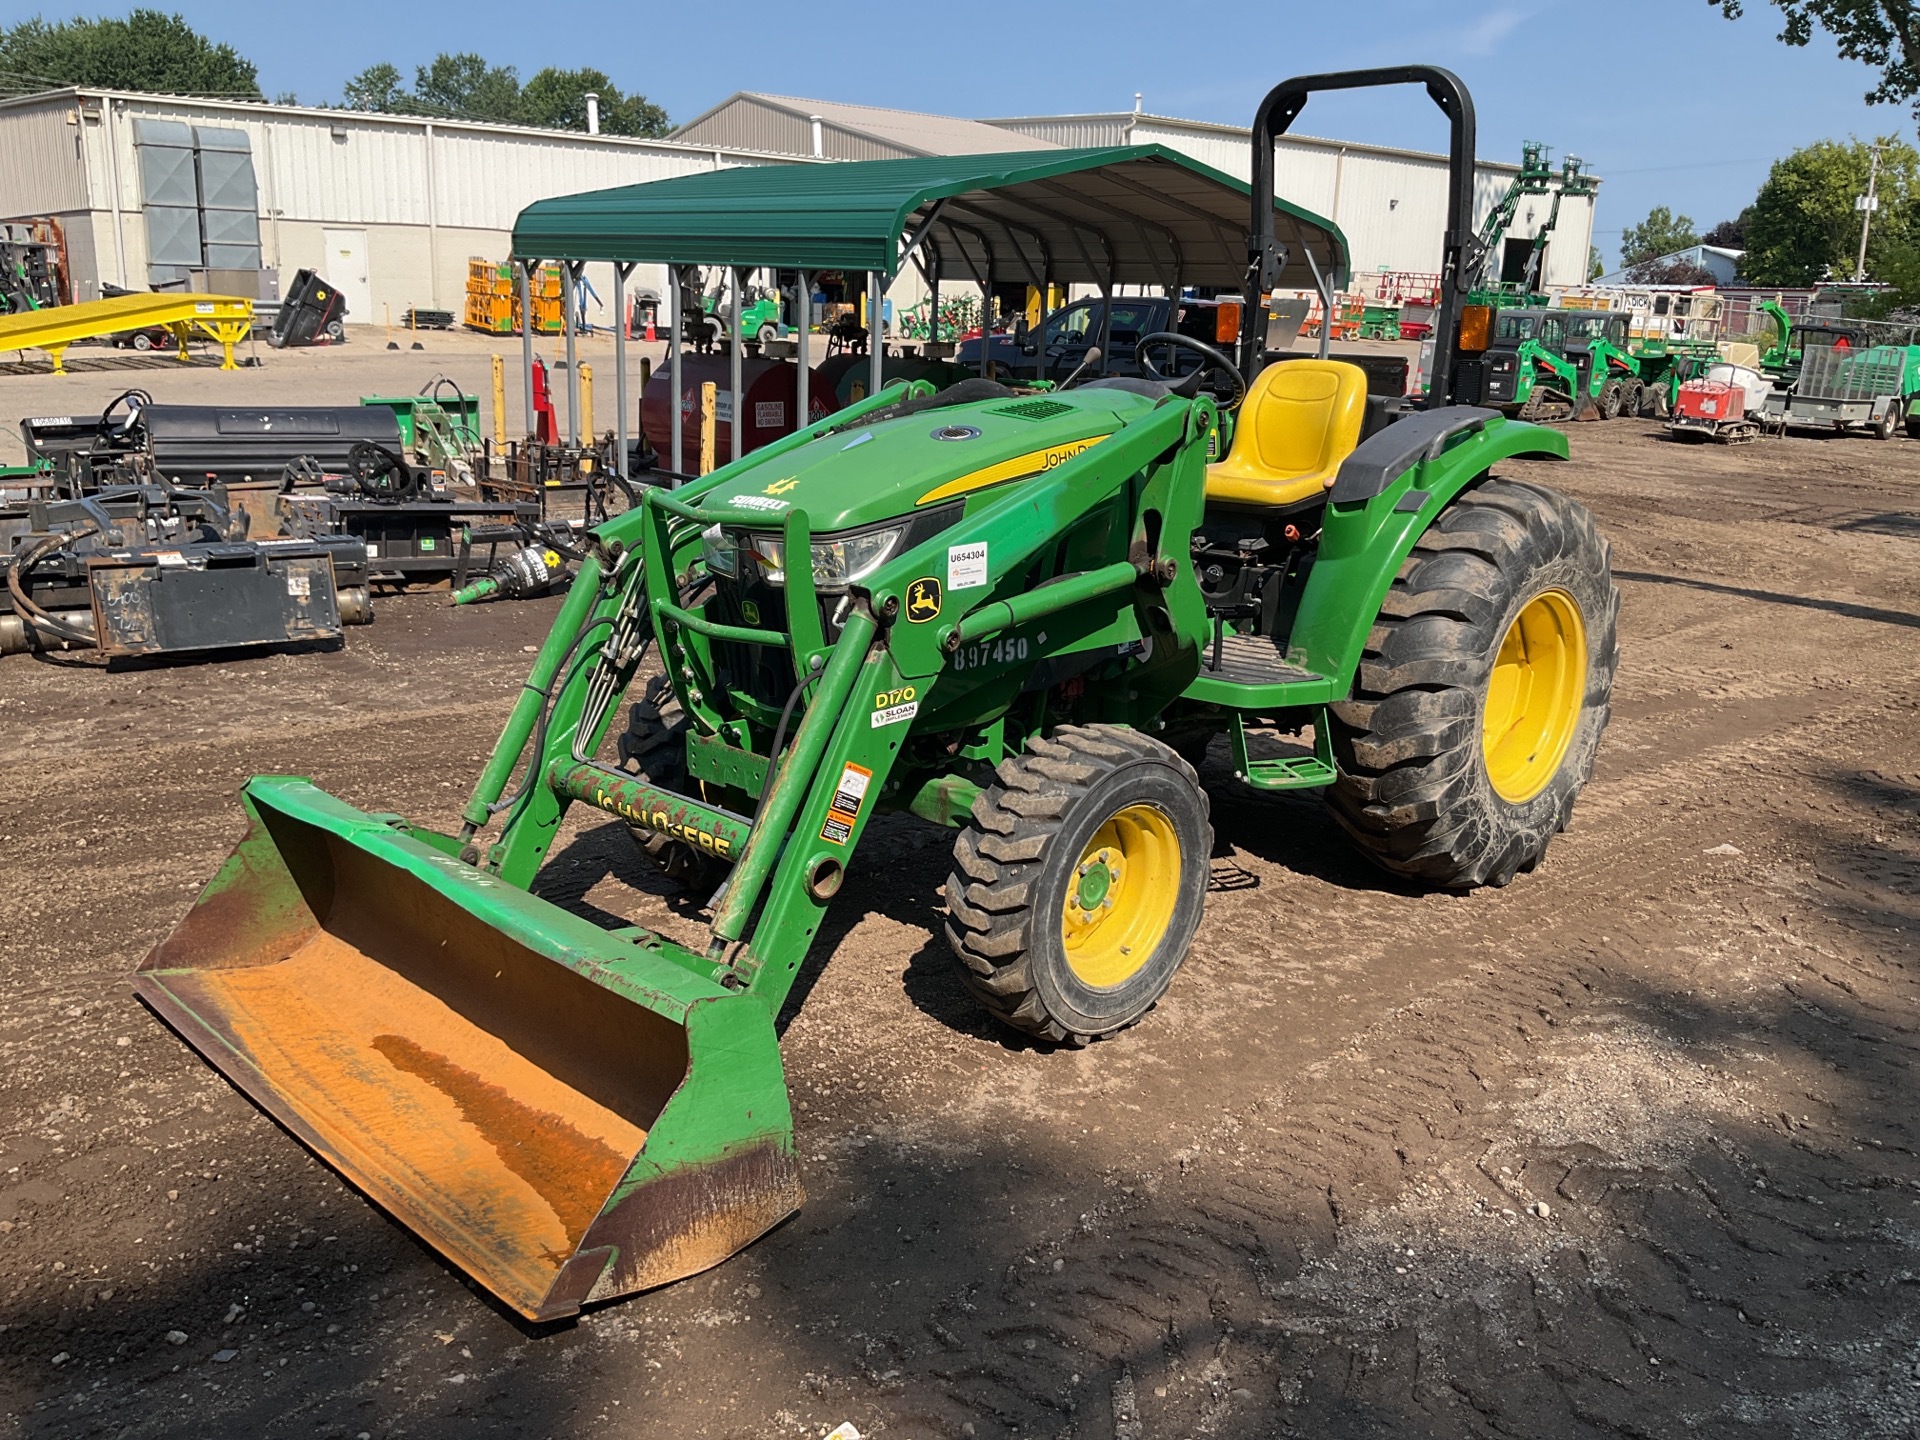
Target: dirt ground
column 1626, row 1148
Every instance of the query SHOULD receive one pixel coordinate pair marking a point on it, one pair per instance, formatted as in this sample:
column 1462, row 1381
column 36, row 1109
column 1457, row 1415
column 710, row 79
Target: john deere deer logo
column 923, row 600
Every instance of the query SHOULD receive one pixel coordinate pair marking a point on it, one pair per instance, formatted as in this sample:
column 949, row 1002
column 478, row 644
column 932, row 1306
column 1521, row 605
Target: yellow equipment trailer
column 225, row 318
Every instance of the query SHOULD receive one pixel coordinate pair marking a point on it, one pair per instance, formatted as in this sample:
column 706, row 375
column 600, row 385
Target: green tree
column 1803, row 226
column 378, row 87
column 637, row 115
column 148, row 50
column 1728, row 234
column 1882, row 33
column 1661, row 233
column 558, row 99
column 467, row 87
column 1596, row 263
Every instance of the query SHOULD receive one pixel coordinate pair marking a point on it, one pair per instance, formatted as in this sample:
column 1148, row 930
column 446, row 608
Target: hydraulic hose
column 780, row 735
column 23, row 563
column 546, row 715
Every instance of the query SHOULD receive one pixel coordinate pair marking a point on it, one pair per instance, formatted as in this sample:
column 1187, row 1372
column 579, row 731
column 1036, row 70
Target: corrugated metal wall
column 748, row 123
column 752, row 125
column 405, row 181
column 42, row 159
column 347, row 169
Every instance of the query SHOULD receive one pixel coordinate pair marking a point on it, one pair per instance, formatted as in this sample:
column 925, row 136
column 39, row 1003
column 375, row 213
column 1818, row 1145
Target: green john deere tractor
column 1017, row 615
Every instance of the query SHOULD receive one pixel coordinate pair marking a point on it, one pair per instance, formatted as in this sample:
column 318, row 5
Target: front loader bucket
column 564, row 1113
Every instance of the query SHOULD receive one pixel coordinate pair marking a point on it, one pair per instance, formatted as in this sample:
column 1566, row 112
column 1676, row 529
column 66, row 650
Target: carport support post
column 933, row 305
column 572, row 272
column 805, row 278
column 875, row 347
column 733, row 373
column 673, row 366
column 526, row 344
column 1326, row 301
column 986, row 329
column 620, row 274
column 1038, row 339
column 1106, row 326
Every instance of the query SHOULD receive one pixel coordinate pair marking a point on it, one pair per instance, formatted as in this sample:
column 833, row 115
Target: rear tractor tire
column 1483, row 690
column 1079, row 882
column 654, row 748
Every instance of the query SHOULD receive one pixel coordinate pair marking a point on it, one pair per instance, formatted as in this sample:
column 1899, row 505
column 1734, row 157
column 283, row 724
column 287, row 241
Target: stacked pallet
column 493, row 299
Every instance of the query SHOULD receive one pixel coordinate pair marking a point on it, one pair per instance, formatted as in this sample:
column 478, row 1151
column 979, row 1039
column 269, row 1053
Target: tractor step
column 1251, row 660
column 1293, row 772
column 1286, row 772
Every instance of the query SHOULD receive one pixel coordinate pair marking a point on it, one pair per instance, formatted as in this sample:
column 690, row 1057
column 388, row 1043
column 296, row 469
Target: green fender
column 1387, row 494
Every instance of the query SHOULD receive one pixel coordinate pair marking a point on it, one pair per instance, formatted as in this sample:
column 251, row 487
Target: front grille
column 760, row 671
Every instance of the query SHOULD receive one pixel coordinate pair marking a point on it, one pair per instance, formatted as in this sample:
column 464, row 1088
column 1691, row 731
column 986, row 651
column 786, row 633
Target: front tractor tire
column 1485, row 684
column 654, row 748
column 1079, row 882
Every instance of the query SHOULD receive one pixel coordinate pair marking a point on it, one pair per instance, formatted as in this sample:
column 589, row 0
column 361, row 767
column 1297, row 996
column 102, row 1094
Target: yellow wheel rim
column 1121, row 896
column 1534, row 697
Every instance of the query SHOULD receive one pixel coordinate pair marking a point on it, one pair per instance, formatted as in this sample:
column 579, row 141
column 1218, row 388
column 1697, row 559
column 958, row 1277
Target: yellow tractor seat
column 1298, row 423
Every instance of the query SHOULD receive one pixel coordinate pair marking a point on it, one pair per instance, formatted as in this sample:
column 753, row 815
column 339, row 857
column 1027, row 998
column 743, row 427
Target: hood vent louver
column 1033, row 409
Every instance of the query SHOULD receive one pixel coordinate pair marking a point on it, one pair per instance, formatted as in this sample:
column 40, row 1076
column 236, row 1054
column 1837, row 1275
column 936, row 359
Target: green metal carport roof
column 1133, row 215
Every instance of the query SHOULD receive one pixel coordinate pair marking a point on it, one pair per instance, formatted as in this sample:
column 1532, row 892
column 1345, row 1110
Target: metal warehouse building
column 390, row 208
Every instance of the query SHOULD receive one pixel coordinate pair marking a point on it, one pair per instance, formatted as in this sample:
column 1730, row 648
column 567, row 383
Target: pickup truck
column 1057, row 350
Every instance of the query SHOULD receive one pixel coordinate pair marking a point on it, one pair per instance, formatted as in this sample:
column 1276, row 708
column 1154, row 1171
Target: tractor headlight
column 718, row 551
column 838, row 561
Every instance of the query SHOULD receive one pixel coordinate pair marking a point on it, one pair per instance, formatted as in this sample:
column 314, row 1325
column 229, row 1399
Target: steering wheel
column 133, row 400
column 1213, row 362
column 380, row 474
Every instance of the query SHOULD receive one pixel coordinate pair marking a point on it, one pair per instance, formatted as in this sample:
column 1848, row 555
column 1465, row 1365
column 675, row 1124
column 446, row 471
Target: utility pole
column 1866, row 204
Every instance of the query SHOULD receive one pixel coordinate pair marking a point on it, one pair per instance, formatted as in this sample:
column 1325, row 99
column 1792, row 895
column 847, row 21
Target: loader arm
column 566, row 1113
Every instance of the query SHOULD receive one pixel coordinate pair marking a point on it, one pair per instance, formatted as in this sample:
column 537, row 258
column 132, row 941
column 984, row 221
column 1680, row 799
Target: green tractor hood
column 869, row 473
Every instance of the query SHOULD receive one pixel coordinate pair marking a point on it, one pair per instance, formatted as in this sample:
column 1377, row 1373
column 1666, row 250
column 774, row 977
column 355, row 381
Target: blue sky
column 1669, row 102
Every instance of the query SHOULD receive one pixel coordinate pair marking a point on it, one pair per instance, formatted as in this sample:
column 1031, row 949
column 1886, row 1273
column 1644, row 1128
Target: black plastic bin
column 313, row 313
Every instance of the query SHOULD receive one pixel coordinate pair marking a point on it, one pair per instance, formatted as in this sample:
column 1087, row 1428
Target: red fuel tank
column 766, row 395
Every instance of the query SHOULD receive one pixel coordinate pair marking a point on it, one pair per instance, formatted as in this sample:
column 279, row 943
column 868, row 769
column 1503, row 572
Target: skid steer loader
column 1019, row 615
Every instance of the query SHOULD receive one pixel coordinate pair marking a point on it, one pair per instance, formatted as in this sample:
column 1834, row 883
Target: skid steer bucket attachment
column 566, row 1114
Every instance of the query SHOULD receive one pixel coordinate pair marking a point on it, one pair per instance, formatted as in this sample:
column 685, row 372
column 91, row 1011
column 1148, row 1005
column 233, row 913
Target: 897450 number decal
column 989, row 654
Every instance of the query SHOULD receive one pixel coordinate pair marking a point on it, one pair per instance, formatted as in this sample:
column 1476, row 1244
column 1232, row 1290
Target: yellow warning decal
column 1034, row 462
column 848, row 796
